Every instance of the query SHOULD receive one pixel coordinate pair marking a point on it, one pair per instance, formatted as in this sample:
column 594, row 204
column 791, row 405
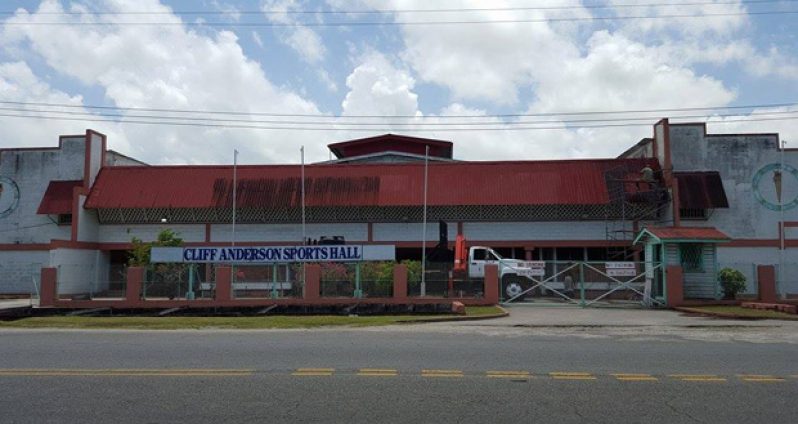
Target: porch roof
column 682, row 235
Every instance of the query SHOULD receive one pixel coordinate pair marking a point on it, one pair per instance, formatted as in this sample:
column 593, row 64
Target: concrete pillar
column 674, row 285
column 492, row 283
column 48, row 290
column 135, row 280
column 400, row 282
column 766, row 281
column 224, row 286
column 312, row 281
column 528, row 250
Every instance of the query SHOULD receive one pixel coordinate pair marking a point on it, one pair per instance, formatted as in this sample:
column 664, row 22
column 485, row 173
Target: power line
column 388, row 129
column 374, row 124
column 319, row 115
column 398, row 11
column 400, row 23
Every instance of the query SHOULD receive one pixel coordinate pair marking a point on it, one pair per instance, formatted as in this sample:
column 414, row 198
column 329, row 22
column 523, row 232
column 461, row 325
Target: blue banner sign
column 273, row 254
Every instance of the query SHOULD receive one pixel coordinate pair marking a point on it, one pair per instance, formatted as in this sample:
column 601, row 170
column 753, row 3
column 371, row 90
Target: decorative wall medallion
column 9, row 196
column 775, row 186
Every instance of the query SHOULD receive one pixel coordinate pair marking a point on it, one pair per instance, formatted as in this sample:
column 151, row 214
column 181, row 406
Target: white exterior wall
column 555, row 230
column 32, row 170
column 289, row 233
column 388, row 232
column 79, row 271
column 20, row 270
column 737, row 158
column 125, row 233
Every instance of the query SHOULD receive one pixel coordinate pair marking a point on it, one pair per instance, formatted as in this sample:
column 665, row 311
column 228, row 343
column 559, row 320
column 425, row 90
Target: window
column 692, row 257
column 479, row 254
column 697, row 214
column 65, row 219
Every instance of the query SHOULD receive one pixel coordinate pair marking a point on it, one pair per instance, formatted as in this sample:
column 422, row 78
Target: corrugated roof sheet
column 391, row 142
column 577, row 182
column 687, row 233
column 701, row 190
column 57, row 198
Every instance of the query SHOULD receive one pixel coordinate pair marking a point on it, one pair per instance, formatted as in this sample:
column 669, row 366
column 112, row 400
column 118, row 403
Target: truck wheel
column 513, row 286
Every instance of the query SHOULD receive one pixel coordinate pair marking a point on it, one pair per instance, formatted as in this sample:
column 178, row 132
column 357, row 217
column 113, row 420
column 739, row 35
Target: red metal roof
column 391, row 142
column 701, row 190
column 567, row 182
column 687, row 233
column 57, row 198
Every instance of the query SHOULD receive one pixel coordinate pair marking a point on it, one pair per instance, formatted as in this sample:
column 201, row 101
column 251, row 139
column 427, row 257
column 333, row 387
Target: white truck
column 515, row 275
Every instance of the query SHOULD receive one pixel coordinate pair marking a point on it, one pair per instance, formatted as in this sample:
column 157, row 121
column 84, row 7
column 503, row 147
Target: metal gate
column 580, row 283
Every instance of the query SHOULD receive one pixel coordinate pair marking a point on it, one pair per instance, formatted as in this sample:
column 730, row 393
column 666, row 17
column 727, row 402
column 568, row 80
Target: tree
column 139, row 254
column 164, row 279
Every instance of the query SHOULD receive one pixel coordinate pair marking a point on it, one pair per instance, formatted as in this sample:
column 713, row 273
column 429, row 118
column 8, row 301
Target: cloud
column 729, row 17
column 256, row 38
column 305, row 41
column 18, row 83
column 165, row 67
column 377, row 87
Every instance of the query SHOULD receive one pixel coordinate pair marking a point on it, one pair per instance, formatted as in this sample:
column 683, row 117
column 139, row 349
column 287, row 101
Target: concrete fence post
column 766, row 282
column 48, row 292
column 133, row 284
column 492, row 284
column 224, row 285
column 312, row 281
column 400, row 283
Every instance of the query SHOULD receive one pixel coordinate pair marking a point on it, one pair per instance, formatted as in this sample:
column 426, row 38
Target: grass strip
column 241, row 323
column 739, row 312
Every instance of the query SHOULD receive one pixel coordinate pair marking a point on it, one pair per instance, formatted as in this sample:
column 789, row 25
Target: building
column 732, row 199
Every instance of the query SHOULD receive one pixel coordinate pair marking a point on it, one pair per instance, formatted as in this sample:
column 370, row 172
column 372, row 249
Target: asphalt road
column 399, row 374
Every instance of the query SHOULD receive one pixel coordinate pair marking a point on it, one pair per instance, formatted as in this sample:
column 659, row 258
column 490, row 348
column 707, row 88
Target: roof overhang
column 57, row 199
column 681, row 235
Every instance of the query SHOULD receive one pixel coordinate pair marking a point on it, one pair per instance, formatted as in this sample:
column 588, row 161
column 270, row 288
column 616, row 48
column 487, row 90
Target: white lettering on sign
column 272, row 254
column 621, row 269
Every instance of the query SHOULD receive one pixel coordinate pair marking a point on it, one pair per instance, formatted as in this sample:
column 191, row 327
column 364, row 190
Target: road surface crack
column 678, row 412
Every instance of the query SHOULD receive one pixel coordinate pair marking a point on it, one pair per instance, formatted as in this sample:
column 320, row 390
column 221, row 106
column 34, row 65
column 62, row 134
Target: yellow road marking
column 441, row 373
column 377, row 372
column 507, row 374
column 634, row 377
column 698, row 377
column 761, row 378
column 572, row 376
column 314, row 372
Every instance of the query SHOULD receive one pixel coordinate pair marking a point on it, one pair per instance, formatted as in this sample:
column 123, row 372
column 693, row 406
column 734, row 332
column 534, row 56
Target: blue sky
column 564, row 62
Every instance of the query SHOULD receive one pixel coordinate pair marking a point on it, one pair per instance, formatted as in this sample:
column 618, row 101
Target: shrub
column 732, row 281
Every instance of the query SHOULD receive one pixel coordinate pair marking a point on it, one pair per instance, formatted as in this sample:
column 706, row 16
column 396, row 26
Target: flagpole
column 235, row 183
column 233, row 227
column 424, row 227
column 782, row 271
column 302, row 154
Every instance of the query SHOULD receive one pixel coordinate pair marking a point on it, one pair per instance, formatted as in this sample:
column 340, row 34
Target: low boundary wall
column 223, row 294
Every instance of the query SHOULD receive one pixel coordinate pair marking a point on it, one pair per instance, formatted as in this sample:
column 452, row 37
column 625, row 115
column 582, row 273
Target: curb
column 729, row 315
column 503, row 314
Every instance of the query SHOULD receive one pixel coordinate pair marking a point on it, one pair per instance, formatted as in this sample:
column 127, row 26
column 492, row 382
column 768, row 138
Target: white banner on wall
column 273, row 254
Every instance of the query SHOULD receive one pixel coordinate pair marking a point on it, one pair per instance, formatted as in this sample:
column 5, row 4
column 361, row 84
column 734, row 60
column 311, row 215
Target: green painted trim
column 582, row 284
column 643, row 232
column 700, row 268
